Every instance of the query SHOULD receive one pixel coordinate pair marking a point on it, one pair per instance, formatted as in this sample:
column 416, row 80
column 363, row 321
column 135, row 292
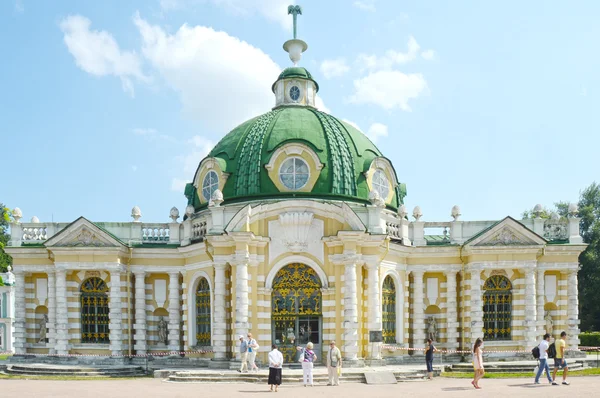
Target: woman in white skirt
column 307, row 357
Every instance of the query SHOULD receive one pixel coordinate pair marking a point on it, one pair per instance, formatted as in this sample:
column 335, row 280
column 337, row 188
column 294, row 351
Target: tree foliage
column 589, row 274
column 5, row 217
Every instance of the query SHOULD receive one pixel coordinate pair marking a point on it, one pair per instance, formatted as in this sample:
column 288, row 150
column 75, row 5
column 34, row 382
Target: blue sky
column 106, row 105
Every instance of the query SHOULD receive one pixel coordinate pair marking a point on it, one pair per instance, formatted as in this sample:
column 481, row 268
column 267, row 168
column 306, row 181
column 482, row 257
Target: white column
column 62, row 315
column 219, row 317
column 140, row 345
column 374, row 306
column 20, row 321
column 241, row 302
column 540, row 301
column 476, row 306
column 418, row 310
column 174, row 312
column 451, row 311
column 115, row 311
column 51, row 325
column 572, row 310
column 530, row 310
column 350, row 334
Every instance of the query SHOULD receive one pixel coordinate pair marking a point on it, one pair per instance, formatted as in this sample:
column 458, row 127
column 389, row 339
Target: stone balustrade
column 199, row 228
column 155, row 233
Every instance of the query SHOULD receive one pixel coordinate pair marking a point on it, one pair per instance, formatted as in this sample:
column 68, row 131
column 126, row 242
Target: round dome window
column 294, row 173
column 381, row 184
column 210, row 184
column 295, row 93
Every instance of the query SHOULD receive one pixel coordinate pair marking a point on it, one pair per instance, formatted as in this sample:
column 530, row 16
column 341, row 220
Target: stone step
column 32, row 370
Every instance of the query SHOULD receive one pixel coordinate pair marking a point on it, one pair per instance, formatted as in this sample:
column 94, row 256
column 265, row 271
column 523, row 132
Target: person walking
column 559, row 360
column 252, row 350
column 543, row 347
column 275, row 366
column 307, row 358
column 429, row 358
column 334, row 364
column 243, row 355
column 478, row 363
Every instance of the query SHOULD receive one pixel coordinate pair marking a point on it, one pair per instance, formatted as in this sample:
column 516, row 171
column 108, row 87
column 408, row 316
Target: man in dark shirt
column 429, row 358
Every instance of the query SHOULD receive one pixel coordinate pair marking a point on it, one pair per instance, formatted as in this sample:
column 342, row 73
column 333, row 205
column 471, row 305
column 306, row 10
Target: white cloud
column 334, row 67
column 201, row 146
column 221, row 79
column 153, row 135
column 388, row 89
column 351, row 123
column 19, row 6
column 391, row 57
column 98, row 53
column 376, row 131
column 428, row 55
column 273, row 10
column 367, row 5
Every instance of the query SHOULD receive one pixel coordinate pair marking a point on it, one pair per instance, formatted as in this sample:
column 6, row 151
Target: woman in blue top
column 307, row 357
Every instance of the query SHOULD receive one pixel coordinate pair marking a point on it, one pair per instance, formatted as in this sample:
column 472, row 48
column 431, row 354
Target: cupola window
column 210, row 184
column 381, row 184
column 294, row 173
column 295, row 93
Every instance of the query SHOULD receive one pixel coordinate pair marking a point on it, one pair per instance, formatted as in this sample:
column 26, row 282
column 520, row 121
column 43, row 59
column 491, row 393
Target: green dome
column 295, row 72
column 344, row 152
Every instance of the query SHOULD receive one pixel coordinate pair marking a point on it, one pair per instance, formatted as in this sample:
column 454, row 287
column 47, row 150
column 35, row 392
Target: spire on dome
column 295, row 47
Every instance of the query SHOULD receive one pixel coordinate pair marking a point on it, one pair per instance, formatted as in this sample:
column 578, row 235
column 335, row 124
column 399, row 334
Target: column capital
column 137, row 272
column 451, row 272
column 416, row 273
column 173, row 274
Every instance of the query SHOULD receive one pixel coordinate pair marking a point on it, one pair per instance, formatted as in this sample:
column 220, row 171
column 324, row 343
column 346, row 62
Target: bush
column 590, row 339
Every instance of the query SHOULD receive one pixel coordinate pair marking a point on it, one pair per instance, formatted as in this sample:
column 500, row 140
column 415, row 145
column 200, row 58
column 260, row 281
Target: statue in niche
column 431, row 328
column 549, row 323
column 43, row 329
column 162, row 331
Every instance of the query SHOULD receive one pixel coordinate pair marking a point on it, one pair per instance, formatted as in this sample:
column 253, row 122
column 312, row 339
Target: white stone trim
column 191, row 306
column 296, row 258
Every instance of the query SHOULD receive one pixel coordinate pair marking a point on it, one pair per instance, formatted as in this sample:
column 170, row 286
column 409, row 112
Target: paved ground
column 149, row 388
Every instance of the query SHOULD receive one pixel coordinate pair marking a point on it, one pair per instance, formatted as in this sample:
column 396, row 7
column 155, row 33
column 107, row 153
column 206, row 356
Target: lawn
column 463, row 375
column 4, row 357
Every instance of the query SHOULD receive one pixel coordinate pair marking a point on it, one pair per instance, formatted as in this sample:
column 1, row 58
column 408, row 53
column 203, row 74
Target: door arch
column 497, row 308
column 296, row 305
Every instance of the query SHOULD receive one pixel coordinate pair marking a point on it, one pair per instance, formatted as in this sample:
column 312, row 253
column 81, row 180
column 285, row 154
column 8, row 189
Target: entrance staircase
column 40, row 369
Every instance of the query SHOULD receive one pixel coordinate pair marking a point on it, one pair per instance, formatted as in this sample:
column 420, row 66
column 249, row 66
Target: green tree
column 5, row 217
column 589, row 274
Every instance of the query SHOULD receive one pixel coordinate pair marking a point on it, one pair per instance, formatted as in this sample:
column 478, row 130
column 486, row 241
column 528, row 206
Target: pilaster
column 241, row 301
column 174, row 313
column 20, row 328
column 220, row 316
column 62, row 316
column 51, row 324
column 350, row 333
column 451, row 311
column 530, row 310
column 476, row 304
column 115, row 309
column 374, row 306
column 140, row 345
column 418, row 310
column 541, row 299
column 572, row 310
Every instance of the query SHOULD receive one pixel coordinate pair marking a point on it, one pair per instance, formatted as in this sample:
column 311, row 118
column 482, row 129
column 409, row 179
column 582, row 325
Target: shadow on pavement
column 457, row 388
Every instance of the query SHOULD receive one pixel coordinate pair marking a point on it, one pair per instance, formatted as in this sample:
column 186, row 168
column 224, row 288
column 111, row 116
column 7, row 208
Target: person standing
column 478, row 363
column 334, row 364
column 559, row 360
column 429, row 358
column 243, row 355
column 543, row 347
column 307, row 357
column 252, row 350
column 275, row 366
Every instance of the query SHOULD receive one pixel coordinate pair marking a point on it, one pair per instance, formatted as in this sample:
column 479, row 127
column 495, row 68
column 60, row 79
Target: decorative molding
column 507, row 237
column 296, row 232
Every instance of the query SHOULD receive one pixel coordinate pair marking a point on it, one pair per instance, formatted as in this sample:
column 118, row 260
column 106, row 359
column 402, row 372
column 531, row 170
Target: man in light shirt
column 243, row 355
column 543, row 347
column 559, row 361
column 334, row 363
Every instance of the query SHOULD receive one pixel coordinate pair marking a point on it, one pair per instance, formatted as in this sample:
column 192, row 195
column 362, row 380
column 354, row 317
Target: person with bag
column 334, row 364
column 307, row 358
column 543, row 358
column 252, row 350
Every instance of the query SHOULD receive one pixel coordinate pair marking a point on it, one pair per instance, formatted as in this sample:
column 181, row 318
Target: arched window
column 388, row 310
column 210, row 185
column 94, row 311
column 497, row 308
column 203, row 313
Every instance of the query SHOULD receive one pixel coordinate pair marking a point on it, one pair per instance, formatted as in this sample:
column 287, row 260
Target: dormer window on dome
column 209, row 185
column 381, row 184
column 294, row 173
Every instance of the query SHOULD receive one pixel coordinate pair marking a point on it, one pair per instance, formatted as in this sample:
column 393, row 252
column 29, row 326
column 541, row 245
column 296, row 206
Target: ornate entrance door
column 296, row 305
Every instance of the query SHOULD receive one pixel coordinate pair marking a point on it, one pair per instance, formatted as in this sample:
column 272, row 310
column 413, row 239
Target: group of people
column 559, row 361
column 248, row 349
